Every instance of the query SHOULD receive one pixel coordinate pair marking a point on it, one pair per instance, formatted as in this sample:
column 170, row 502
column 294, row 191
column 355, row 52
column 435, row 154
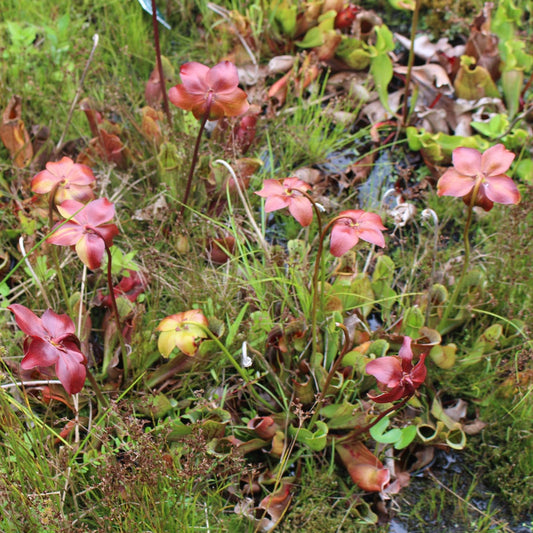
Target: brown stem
column 155, row 25
column 195, row 154
column 96, row 388
column 114, row 307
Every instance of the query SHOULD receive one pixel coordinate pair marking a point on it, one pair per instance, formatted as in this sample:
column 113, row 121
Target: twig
column 78, row 92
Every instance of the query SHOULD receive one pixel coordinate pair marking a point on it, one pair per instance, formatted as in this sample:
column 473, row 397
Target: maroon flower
column 288, row 194
column 397, row 374
column 353, row 225
column 86, row 229
column 52, row 341
column 209, row 90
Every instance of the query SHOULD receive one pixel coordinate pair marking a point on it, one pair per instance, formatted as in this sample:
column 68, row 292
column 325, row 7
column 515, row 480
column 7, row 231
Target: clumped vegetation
column 240, row 291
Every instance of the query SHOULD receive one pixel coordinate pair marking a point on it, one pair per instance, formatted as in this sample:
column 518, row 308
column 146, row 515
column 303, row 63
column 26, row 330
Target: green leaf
column 384, row 269
column 495, row 127
column 316, row 441
column 413, row 320
column 377, row 432
column 313, row 38
column 381, row 70
column 408, row 436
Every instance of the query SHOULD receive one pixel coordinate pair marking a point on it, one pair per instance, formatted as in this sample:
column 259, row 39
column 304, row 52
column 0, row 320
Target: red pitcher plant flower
column 484, row 171
column 352, row 225
column 212, row 91
column 184, row 331
column 288, row 194
column 73, row 181
column 52, row 341
column 397, row 373
column 86, row 230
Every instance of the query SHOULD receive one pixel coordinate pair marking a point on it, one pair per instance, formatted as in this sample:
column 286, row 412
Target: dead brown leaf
column 14, row 135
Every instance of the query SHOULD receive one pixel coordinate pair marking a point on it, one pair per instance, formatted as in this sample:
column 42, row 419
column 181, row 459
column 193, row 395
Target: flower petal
column 90, row 249
column 270, row 188
column 186, row 342
column 194, row 77
column 27, row 321
column 39, row 353
column 496, row 161
column 169, row 323
column 166, row 342
column 406, row 354
column 57, row 325
column 371, row 220
column 107, row 231
column 99, row 211
column 452, row 183
column 372, row 236
column 72, row 209
column 223, row 77
column 467, row 161
column 301, row 209
column 233, row 103
column 394, row 394
column 71, row 371
column 44, row 182
column 67, row 235
column 501, row 189
column 419, row 372
column 273, row 203
column 296, row 184
column 387, row 370
column 343, row 238
column 179, row 96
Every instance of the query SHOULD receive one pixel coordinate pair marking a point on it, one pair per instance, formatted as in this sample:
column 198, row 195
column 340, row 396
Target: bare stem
column 195, row 155
column 97, row 390
column 410, row 62
column 155, row 25
column 443, row 325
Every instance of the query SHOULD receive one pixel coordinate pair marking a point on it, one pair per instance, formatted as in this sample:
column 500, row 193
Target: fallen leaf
column 14, row 135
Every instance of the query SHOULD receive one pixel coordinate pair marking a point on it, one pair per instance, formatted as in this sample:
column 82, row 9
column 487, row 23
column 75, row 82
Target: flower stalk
column 195, row 156
column 443, row 324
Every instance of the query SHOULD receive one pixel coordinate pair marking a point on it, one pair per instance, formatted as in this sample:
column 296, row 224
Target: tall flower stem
column 122, row 342
column 155, row 25
column 97, row 390
column 317, row 268
column 195, row 154
column 55, row 259
column 410, row 61
column 443, row 324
